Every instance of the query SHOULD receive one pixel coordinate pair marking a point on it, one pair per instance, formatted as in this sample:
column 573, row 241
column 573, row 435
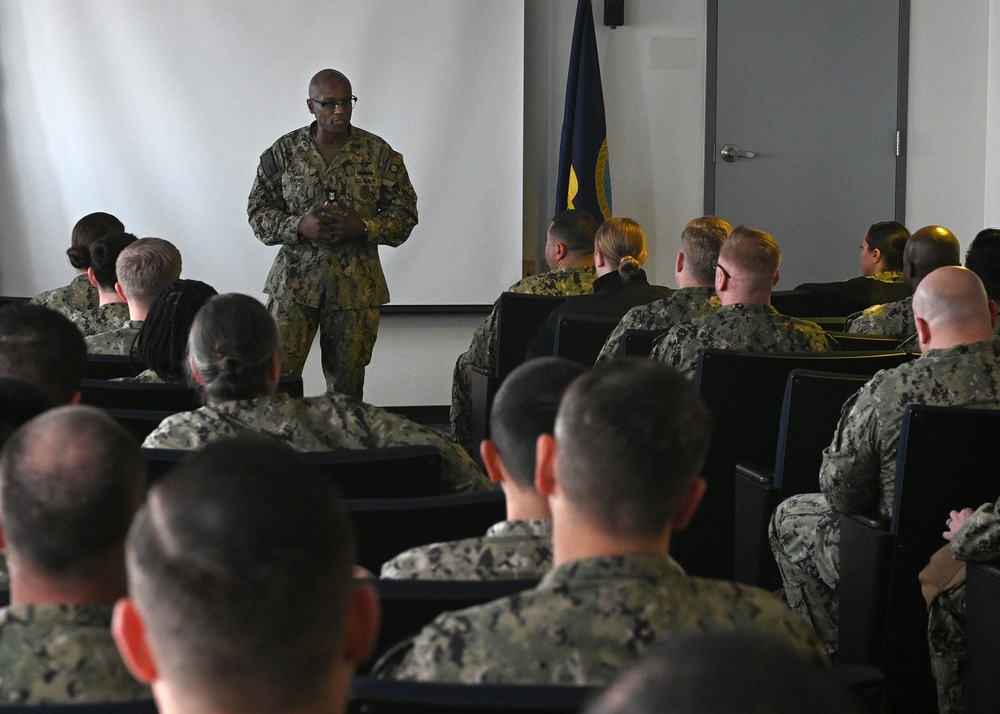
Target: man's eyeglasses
column 715, row 264
column 332, row 104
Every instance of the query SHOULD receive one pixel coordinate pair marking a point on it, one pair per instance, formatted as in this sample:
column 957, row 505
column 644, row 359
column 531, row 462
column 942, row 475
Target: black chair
column 744, row 392
column 370, row 695
column 111, row 366
column 383, row 527
column 518, row 318
column 860, row 343
column 408, row 605
column 169, row 397
column 809, row 415
column 982, row 638
column 639, row 343
column 143, row 707
column 138, row 422
column 5, row 299
column 391, row 472
column 581, row 337
column 947, row 458
column 797, row 303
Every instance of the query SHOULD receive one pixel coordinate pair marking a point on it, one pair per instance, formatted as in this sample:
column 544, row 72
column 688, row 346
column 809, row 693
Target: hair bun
column 628, row 266
column 79, row 256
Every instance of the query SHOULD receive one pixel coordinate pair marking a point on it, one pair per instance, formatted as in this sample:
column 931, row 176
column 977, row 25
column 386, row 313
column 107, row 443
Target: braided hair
column 162, row 342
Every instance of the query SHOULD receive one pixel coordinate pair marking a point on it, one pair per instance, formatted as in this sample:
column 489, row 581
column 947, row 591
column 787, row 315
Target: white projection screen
column 158, row 112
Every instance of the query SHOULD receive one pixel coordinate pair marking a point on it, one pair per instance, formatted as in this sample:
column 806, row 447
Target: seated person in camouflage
column 161, row 344
column 881, row 278
column 928, row 249
column 521, row 546
column 569, row 254
column 233, row 358
column 80, row 294
column 694, row 273
column 621, row 474
column 974, row 536
column 958, row 367
column 70, row 482
column 746, row 271
column 725, row 673
column 43, row 347
column 144, row 268
column 240, row 598
column 112, row 310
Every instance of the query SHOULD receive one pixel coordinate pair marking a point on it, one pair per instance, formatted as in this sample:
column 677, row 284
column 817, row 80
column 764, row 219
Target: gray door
column 817, row 92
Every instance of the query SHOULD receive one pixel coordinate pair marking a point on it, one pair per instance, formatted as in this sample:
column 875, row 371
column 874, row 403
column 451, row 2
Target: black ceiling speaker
column 614, row 13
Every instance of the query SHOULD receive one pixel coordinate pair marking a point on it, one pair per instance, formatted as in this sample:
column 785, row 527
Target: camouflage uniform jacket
column 517, row 550
column 79, row 295
column 859, row 467
column 979, row 537
column 114, row 342
column 329, row 421
column 584, row 621
column 684, row 304
column 146, row 376
column 744, row 327
column 61, row 654
column 888, row 276
column 892, row 318
column 560, row 281
column 292, row 180
column 102, row 318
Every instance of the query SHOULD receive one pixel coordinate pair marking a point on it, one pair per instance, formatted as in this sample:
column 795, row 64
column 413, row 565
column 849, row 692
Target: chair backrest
column 170, row 396
column 111, row 366
column 519, row 316
column 384, row 696
column 982, row 638
column 744, row 392
column 797, row 303
column 850, row 342
column 581, row 337
column 948, row 458
column 5, row 299
column 639, row 343
column 143, row 707
column 408, row 605
column 383, row 527
column 391, row 472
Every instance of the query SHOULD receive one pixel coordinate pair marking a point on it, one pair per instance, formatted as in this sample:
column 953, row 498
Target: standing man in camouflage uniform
column 569, row 253
column 330, row 194
column 112, row 310
column 928, row 249
column 70, row 482
column 521, row 546
column 621, row 474
column 746, row 271
column 694, row 273
column 959, row 367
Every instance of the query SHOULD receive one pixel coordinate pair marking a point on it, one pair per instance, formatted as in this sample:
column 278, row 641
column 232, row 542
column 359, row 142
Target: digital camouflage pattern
column 102, row 318
column 858, row 471
column 977, row 540
column 61, row 654
column 323, row 423
column 584, row 621
column 78, row 296
column 147, row 376
column 513, row 550
column 114, row 342
column 483, row 349
column 894, row 277
column 743, row 327
column 891, row 318
column 684, row 304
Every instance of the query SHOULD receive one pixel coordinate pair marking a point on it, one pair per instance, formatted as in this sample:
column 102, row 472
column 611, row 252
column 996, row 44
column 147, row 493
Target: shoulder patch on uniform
column 268, row 164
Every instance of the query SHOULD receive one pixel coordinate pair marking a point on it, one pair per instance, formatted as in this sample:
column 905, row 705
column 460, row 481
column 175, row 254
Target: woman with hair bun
column 619, row 253
column 80, row 295
column 233, row 357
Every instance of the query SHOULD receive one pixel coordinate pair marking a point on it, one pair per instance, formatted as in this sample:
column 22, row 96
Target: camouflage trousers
column 461, row 402
column 346, row 340
column 805, row 539
column 946, row 639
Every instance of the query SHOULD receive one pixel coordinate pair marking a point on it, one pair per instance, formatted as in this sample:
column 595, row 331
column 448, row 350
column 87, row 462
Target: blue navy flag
column 584, row 170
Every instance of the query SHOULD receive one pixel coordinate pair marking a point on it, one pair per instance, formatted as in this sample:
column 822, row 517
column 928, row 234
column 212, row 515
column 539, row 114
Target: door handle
column 731, row 153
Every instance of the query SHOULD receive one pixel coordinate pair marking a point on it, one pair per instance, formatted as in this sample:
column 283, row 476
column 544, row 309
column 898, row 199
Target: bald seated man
column 70, row 481
column 745, row 272
column 958, row 367
column 928, row 249
column 245, row 544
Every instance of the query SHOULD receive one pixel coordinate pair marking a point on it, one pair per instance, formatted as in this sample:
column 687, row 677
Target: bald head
column 928, row 249
column 323, row 79
column 751, row 259
column 951, row 308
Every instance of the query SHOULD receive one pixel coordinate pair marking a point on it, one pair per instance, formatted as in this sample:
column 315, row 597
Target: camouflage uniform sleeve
column 979, row 538
column 397, row 204
column 268, row 212
column 679, row 349
column 482, row 349
column 613, row 345
column 849, row 475
column 173, row 433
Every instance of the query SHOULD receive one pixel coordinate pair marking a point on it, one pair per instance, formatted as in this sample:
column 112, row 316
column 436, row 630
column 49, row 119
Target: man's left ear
column 129, row 632
column 363, row 618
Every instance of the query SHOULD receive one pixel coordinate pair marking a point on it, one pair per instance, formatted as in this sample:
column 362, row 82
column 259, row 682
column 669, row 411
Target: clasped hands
column 332, row 223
